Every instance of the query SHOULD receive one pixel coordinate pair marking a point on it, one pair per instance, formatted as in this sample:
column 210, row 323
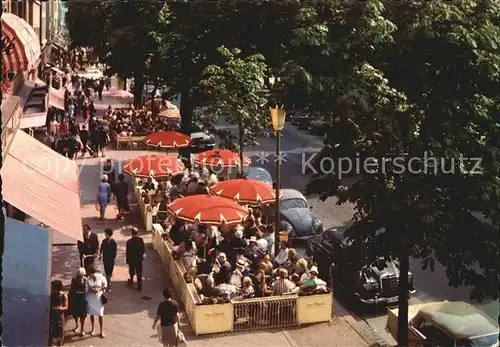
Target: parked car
column 201, row 140
column 318, row 127
column 369, row 283
column 259, row 174
column 445, row 323
column 295, row 216
column 304, row 122
column 297, row 116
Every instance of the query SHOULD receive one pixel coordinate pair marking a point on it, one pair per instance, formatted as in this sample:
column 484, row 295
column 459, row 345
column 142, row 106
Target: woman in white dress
column 95, row 287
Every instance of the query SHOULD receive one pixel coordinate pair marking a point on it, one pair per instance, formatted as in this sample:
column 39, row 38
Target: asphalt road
column 298, row 146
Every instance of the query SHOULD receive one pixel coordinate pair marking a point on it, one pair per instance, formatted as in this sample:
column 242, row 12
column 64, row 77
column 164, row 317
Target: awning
column 34, row 120
column 56, row 98
column 21, row 49
column 43, row 184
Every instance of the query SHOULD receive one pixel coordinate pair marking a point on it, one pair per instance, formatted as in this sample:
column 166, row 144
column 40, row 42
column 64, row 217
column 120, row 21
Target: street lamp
column 278, row 120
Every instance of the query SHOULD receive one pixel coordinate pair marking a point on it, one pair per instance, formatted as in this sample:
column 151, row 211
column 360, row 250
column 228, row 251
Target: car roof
column 460, row 320
column 338, row 234
column 291, row 194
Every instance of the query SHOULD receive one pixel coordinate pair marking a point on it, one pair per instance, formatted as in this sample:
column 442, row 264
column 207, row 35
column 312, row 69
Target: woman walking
column 77, row 301
column 103, row 195
column 58, row 306
column 95, row 288
column 108, row 254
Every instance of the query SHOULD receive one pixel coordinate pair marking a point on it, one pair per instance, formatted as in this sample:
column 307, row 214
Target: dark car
column 369, row 283
column 296, row 216
column 318, row 127
column 201, row 140
column 297, row 116
column 304, row 122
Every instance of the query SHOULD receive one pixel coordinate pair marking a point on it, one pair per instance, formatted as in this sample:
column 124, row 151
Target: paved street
column 299, row 145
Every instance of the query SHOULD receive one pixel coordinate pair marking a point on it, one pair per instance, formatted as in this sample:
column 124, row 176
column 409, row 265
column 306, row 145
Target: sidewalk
column 129, row 313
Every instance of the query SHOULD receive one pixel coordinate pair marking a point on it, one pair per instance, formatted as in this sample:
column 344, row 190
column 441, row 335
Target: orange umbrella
column 158, row 102
column 172, row 113
column 154, row 165
column 245, row 191
column 168, row 139
column 207, row 209
column 220, row 158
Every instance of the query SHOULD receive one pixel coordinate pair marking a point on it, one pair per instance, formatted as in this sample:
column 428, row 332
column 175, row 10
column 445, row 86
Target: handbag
column 104, row 298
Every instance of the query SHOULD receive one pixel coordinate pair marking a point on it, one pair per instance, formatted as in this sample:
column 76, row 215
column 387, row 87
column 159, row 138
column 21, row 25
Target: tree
column 85, row 22
column 128, row 44
column 235, row 91
column 412, row 80
column 194, row 30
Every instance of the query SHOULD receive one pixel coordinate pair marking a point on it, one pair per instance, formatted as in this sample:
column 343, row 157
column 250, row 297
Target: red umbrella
column 154, row 165
column 168, row 139
column 207, row 209
column 220, row 158
column 245, row 191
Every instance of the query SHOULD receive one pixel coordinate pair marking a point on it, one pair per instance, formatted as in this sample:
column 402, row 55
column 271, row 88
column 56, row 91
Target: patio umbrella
column 168, row 139
column 119, row 94
column 158, row 101
column 245, row 191
column 220, row 158
column 172, row 113
column 207, row 209
column 154, row 165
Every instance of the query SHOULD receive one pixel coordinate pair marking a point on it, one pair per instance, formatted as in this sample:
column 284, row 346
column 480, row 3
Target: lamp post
column 278, row 120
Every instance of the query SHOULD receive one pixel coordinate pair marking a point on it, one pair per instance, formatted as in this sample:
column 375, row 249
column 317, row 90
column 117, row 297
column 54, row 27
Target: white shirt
column 282, row 256
column 262, row 244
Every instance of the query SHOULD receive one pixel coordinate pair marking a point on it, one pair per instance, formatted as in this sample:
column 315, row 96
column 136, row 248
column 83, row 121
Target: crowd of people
column 88, row 293
column 77, row 130
column 138, row 122
column 228, row 262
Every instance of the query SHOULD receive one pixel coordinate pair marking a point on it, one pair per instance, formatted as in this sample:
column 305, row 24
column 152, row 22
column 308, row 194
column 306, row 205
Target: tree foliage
column 411, row 80
column 85, row 22
column 235, row 91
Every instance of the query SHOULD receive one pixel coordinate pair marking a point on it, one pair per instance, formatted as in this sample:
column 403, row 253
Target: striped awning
column 21, row 49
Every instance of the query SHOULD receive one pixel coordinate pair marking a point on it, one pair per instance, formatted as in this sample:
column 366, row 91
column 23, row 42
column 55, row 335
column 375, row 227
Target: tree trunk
column 187, row 108
column 138, row 88
column 404, row 267
column 240, row 147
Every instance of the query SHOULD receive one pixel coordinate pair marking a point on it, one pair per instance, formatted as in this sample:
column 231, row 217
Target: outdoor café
column 211, row 238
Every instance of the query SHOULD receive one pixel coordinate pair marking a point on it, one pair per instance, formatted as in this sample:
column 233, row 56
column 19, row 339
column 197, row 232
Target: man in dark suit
column 134, row 255
column 89, row 247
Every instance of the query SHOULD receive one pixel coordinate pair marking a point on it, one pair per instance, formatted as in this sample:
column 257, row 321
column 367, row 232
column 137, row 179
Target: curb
column 372, row 338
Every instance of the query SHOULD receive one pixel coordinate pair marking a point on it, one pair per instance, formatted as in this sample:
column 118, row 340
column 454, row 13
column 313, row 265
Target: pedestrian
column 89, row 248
column 103, row 196
column 96, row 298
column 108, row 255
column 103, row 138
column 100, row 88
column 71, row 109
column 77, row 302
column 134, row 256
column 92, row 110
column 120, row 190
column 168, row 316
column 109, row 169
column 58, row 307
column 84, row 137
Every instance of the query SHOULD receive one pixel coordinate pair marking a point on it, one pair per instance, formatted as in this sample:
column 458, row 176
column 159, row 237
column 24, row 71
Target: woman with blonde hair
column 77, row 302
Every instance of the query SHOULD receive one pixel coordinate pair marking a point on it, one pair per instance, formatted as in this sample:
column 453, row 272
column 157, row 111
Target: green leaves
column 233, row 92
column 420, row 77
